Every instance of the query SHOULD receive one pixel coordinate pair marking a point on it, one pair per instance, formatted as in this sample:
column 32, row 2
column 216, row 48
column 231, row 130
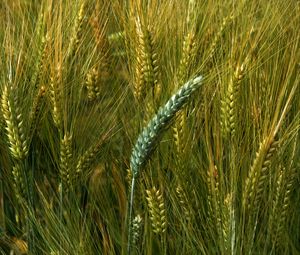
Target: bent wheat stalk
column 150, row 135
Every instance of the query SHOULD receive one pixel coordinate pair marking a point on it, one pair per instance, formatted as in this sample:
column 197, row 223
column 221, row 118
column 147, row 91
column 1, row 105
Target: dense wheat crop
column 149, row 127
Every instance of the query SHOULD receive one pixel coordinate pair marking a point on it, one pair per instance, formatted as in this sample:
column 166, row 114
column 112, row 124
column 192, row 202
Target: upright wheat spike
column 102, row 41
column 157, row 210
column 188, row 56
column 146, row 71
column 39, row 61
column 258, row 173
column 150, row 135
column 229, row 111
column 18, row 143
column 281, row 203
column 98, row 30
column 36, row 110
column 86, row 160
column 212, row 183
column 56, row 96
column 226, row 221
column 19, row 183
column 214, row 199
column 217, row 37
column 92, row 84
column 191, row 15
column 136, row 229
column 184, row 203
column 76, row 32
column 66, row 155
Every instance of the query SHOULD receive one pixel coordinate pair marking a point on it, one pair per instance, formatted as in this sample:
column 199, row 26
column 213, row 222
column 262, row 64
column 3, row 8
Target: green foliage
column 99, row 101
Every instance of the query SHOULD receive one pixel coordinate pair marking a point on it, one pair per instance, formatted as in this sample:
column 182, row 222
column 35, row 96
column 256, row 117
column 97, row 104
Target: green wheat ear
column 150, row 134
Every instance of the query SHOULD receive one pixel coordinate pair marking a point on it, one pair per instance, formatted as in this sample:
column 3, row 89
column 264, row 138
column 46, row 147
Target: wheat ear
column 87, row 159
column 187, row 58
column 183, row 200
column 136, row 229
column 56, row 96
column 76, row 33
column 229, row 109
column 19, row 183
column 36, row 110
column 157, row 210
column 259, row 173
column 284, row 187
column 214, row 199
column 92, row 84
column 146, row 71
column 150, row 135
column 18, row 143
column 219, row 34
column 66, row 159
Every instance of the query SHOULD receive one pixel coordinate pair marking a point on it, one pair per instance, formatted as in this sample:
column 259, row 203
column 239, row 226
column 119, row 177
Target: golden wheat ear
column 157, row 210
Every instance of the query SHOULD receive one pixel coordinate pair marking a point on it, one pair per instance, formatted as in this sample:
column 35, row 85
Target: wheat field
column 149, row 127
